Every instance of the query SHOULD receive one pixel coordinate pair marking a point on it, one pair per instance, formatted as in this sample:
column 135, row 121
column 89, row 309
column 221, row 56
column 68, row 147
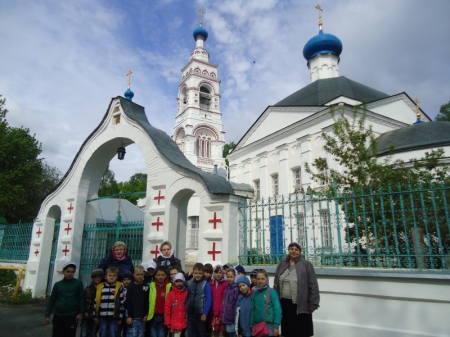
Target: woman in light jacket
column 296, row 283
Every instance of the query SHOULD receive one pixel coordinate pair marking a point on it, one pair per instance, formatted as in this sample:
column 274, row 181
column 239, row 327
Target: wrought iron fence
column 98, row 239
column 402, row 226
column 15, row 241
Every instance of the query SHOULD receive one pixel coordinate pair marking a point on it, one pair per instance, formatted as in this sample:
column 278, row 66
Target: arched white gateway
column 171, row 181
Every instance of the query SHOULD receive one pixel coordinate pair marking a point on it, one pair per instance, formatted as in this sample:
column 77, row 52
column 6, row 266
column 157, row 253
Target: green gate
column 98, row 239
column 52, row 258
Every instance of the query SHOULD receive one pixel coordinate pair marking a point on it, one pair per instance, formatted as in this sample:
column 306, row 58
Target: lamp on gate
column 121, row 152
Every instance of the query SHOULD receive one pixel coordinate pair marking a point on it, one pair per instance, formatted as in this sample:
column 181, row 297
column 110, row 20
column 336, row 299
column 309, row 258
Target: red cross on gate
column 39, row 232
column 156, row 251
column 157, row 224
column 36, row 252
column 65, row 251
column 215, row 220
column 159, row 197
column 70, row 208
column 68, row 228
column 213, row 252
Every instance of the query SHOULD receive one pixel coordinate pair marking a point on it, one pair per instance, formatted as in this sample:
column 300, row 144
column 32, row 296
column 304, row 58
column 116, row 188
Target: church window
column 297, row 179
column 301, row 228
column 257, row 186
column 203, row 147
column 205, row 98
column 117, row 119
column 324, row 181
column 183, row 96
column 193, row 232
column 326, row 240
column 275, row 184
column 258, row 235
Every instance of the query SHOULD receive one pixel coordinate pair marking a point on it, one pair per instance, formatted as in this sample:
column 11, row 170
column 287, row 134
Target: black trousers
column 293, row 324
column 64, row 326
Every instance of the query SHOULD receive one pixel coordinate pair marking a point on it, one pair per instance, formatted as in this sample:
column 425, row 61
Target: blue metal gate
column 52, row 258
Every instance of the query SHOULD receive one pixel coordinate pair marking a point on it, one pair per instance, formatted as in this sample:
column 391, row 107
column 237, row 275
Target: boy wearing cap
column 253, row 277
column 175, row 306
column 67, row 299
column 137, row 303
column 88, row 326
column 150, row 267
column 240, row 270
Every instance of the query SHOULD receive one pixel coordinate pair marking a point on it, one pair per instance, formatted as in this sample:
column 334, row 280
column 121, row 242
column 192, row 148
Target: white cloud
column 63, row 61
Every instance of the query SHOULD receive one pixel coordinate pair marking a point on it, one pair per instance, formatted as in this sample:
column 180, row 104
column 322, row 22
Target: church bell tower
column 198, row 130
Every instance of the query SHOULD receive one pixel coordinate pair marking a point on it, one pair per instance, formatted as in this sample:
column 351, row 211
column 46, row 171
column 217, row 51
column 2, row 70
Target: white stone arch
column 209, row 128
column 207, row 84
column 166, row 167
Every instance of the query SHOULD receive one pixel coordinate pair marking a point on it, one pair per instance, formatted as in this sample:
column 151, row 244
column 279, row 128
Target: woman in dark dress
column 296, row 284
column 118, row 258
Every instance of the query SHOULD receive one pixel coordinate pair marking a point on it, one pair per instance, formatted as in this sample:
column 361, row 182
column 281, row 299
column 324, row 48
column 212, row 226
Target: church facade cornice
column 199, row 75
column 270, row 109
column 191, row 61
column 310, row 122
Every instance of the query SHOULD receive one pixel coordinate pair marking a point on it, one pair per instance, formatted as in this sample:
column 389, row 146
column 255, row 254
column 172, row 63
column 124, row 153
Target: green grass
column 7, row 297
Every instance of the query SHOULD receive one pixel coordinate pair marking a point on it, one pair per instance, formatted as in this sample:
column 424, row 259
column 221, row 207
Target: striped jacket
column 108, row 300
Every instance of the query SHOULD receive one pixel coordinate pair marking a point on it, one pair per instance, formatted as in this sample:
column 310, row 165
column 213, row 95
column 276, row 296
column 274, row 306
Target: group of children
column 218, row 301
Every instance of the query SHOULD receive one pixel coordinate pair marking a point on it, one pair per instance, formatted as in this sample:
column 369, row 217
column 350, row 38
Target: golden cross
column 129, row 77
column 320, row 16
column 417, row 107
column 201, row 15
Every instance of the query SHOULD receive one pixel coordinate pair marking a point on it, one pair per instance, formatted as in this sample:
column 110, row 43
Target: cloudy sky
column 63, row 61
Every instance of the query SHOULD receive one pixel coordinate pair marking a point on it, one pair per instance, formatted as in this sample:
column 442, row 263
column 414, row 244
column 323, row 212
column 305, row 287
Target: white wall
column 373, row 303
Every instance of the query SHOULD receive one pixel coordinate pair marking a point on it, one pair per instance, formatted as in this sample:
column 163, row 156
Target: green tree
column 108, row 184
column 228, row 147
column 137, row 183
column 364, row 186
column 444, row 113
column 25, row 178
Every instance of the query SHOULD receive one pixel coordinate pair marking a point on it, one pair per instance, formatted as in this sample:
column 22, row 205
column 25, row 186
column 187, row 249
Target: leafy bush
column 20, row 298
column 7, row 278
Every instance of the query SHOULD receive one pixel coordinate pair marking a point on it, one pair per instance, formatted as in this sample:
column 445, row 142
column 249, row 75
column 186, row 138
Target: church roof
column 167, row 147
column 414, row 137
column 323, row 91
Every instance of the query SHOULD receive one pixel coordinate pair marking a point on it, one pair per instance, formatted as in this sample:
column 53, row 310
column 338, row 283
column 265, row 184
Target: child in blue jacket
column 244, row 307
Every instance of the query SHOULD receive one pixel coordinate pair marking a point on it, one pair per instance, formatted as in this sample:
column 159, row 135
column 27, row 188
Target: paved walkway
column 24, row 320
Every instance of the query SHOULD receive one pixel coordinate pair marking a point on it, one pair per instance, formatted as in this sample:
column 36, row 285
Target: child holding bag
column 266, row 308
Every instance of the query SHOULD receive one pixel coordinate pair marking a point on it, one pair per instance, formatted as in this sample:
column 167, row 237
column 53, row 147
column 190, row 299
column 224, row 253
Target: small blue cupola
column 322, row 44
column 129, row 94
column 200, row 31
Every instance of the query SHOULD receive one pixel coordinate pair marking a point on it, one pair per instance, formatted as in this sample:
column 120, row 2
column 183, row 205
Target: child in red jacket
column 175, row 306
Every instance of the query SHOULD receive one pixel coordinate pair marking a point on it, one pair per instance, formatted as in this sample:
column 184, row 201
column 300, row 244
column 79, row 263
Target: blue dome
column 129, row 94
column 322, row 44
column 200, row 31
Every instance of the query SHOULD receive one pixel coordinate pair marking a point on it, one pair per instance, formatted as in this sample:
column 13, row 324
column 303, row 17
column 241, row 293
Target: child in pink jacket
column 218, row 285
